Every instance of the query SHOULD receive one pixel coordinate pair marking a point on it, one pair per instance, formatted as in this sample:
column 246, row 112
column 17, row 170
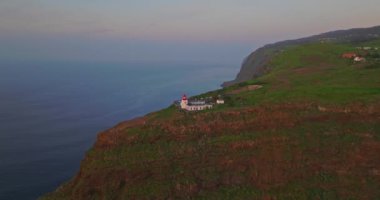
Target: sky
column 207, row 31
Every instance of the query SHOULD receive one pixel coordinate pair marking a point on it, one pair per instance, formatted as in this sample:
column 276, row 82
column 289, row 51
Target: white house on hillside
column 359, row 59
column 219, row 101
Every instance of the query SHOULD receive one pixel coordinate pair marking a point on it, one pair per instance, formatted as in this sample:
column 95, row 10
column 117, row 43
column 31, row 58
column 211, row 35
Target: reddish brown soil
column 112, row 136
column 312, row 69
column 245, row 89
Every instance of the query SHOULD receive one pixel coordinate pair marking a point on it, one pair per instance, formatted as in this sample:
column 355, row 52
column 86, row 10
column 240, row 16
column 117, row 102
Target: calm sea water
column 50, row 113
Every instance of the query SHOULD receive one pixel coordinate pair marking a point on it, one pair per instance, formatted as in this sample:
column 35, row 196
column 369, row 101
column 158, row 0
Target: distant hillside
column 308, row 129
column 257, row 63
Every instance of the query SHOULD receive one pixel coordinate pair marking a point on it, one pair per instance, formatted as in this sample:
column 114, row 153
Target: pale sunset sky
column 208, row 31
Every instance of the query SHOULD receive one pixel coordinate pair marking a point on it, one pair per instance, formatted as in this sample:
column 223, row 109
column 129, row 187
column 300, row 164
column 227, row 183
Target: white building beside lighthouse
column 194, row 105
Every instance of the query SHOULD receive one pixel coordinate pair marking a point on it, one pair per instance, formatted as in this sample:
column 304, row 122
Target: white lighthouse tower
column 184, row 102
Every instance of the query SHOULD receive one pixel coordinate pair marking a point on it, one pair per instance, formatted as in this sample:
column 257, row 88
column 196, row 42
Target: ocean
column 50, row 113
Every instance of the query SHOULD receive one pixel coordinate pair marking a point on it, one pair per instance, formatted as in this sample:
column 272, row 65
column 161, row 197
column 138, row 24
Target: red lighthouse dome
column 184, row 97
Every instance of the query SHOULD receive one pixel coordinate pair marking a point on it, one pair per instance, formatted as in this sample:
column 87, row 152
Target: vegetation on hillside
column 258, row 62
column 311, row 132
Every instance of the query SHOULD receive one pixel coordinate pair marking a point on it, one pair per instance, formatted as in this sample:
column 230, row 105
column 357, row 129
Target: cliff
column 258, row 62
column 307, row 129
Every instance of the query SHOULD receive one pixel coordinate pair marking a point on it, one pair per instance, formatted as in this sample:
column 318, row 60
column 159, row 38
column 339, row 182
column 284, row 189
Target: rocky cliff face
column 257, row 63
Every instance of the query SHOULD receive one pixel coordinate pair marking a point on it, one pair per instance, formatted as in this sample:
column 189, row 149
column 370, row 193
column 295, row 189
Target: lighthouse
column 184, row 102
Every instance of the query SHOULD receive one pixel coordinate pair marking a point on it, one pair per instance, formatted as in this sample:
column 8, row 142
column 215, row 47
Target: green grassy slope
column 311, row 132
column 316, row 72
